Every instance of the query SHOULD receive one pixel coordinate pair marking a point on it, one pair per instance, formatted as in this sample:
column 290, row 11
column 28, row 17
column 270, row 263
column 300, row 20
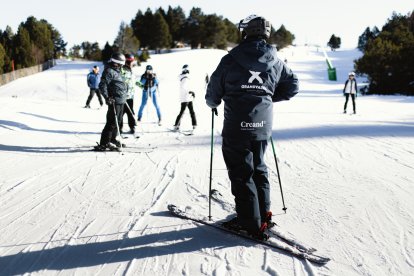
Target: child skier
column 186, row 98
column 150, row 83
column 130, row 80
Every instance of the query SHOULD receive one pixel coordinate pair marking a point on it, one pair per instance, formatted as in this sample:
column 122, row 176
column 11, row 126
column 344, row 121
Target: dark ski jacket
column 93, row 80
column 112, row 85
column 149, row 81
column 248, row 80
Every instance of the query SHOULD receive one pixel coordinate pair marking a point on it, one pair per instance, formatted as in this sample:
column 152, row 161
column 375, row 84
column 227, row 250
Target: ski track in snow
column 347, row 180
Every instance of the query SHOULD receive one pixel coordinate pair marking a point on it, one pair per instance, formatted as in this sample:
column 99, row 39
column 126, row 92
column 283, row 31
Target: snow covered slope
column 347, row 179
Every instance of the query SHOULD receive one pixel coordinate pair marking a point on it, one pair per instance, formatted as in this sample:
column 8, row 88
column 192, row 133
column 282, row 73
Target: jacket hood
column 256, row 55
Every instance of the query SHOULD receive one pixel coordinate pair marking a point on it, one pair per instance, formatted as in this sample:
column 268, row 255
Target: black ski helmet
column 185, row 68
column 148, row 68
column 255, row 26
column 117, row 58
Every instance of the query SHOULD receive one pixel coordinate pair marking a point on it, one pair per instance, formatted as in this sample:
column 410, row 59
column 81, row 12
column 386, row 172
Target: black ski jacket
column 248, row 80
column 113, row 86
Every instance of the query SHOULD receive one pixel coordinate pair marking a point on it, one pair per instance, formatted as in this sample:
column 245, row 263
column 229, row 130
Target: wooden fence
column 8, row 77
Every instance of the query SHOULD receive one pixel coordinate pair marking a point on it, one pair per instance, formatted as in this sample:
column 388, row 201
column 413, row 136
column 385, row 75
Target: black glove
column 109, row 101
column 192, row 94
column 215, row 111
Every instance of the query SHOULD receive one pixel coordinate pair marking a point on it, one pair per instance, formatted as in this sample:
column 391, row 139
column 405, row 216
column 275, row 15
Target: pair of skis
column 278, row 238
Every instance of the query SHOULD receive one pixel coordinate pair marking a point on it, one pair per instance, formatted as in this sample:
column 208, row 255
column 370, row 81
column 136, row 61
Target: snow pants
column 91, row 94
column 144, row 100
column 110, row 130
column 130, row 115
column 346, row 100
column 192, row 113
column 249, row 180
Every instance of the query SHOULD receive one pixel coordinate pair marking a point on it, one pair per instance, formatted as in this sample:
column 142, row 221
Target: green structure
column 331, row 69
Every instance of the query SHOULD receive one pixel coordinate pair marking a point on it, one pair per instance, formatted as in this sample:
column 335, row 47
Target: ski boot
column 268, row 220
column 99, row 147
column 234, row 225
column 117, row 144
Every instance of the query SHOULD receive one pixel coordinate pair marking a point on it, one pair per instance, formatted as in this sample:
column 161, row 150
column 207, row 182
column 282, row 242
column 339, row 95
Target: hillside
column 347, row 179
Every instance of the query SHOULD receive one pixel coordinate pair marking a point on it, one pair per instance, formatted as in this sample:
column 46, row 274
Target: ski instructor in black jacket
column 249, row 79
column 114, row 89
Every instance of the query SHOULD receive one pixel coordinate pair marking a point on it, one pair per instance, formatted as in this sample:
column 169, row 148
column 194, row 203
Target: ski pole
column 117, row 126
column 211, row 164
column 278, row 174
column 130, row 111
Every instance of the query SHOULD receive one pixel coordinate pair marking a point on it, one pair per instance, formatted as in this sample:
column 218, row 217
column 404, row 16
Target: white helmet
column 117, row 58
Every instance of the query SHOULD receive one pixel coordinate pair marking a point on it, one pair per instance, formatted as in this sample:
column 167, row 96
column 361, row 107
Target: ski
column 275, row 230
column 272, row 242
column 184, row 132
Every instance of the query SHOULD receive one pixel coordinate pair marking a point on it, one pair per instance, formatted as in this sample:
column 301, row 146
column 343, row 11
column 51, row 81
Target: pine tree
column 175, row 19
column 232, row 33
column 334, row 42
column 141, row 25
column 6, row 39
column 126, row 42
column 23, row 55
column 75, row 51
column 388, row 58
column 2, row 58
column 367, row 36
column 107, row 52
column 41, row 39
column 193, row 27
column 282, row 37
column 214, row 32
column 160, row 33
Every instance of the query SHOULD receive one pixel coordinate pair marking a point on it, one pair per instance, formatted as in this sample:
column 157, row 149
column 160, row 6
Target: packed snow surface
column 348, row 180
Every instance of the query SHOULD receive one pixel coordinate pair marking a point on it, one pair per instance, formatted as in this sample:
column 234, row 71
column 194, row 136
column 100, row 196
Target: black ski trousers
column 249, row 180
column 92, row 93
column 192, row 113
column 110, row 130
column 346, row 100
column 130, row 114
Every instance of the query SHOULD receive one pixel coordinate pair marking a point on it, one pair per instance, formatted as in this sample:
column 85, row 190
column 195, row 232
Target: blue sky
column 311, row 21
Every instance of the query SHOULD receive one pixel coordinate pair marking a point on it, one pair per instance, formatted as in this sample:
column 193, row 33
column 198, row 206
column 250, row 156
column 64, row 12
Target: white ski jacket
column 185, row 88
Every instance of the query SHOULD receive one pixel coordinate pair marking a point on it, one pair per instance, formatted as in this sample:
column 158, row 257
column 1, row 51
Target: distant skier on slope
column 150, row 83
column 186, row 98
column 93, row 84
column 248, row 80
column 114, row 90
column 350, row 88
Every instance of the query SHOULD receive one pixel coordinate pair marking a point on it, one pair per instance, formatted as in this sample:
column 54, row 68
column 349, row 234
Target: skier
column 248, row 80
column 130, row 80
column 350, row 88
column 186, row 98
column 114, row 90
column 93, row 84
column 150, row 83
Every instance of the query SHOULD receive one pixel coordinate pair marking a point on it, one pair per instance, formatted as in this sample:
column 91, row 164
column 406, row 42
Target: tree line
column 171, row 28
column 388, row 56
column 35, row 42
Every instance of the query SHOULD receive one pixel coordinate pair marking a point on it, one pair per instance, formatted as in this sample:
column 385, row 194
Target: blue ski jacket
column 93, row 80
